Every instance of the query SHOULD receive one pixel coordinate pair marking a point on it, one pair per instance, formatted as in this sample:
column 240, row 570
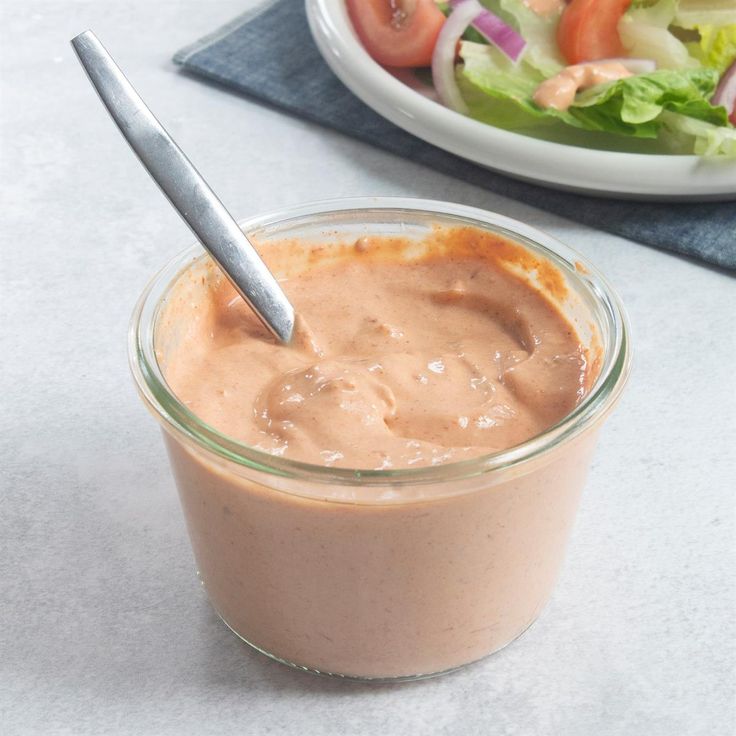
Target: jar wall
column 380, row 590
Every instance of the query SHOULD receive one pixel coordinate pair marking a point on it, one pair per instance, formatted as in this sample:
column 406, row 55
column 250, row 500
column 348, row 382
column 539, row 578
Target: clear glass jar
column 394, row 573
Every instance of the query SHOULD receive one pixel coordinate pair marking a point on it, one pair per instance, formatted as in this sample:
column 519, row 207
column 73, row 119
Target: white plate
column 631, row 175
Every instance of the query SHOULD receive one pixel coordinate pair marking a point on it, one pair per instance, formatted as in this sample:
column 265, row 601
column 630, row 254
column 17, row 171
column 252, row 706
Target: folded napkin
column 269, row 54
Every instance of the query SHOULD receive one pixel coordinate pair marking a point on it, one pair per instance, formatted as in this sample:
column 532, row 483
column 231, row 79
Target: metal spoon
column 185, row 188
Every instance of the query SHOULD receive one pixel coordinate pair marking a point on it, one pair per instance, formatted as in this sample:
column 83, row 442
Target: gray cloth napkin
column 269, row 54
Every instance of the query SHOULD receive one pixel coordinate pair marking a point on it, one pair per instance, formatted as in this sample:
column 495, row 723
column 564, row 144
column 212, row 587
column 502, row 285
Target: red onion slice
column 726, row 92
column 443, row 58
column 497, row 32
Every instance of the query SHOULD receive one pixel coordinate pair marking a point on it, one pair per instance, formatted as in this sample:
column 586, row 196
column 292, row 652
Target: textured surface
column 103, row 627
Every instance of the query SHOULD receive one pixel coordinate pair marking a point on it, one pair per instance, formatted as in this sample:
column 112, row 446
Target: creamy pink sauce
column 405, row 364
column 545, row 7
column 559, row 91
column 443, row 357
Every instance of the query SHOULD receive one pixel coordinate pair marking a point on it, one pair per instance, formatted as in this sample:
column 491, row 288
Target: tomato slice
column 588, row 30
column 397, row 32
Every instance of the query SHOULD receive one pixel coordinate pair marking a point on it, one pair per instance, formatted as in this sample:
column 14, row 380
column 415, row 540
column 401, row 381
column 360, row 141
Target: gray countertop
column 104, row 628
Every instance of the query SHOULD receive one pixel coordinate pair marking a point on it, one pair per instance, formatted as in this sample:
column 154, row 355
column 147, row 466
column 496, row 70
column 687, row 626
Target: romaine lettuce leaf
column 716, row 48
column 501, row 93
column 640, row 99
column 691, row 13
column 645, row 34
column 539, row 32
column 680, row 132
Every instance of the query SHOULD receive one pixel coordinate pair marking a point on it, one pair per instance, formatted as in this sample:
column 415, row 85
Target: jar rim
column 175, row 416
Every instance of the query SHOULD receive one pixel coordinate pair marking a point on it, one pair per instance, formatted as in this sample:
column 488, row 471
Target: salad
column 654, row 75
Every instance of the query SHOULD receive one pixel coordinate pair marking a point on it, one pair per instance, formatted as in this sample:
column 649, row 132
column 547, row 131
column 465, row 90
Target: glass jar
column 384, row 574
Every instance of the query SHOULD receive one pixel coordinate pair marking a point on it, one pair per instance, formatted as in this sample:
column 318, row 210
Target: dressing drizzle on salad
column 663, row 70
column 545, row 7
column 559, row 91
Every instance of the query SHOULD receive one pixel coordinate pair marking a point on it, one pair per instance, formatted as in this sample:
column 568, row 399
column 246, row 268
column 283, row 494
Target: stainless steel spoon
column 185, row 188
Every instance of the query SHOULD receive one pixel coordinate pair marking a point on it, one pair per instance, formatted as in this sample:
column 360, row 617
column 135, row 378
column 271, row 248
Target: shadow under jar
column 382, row 574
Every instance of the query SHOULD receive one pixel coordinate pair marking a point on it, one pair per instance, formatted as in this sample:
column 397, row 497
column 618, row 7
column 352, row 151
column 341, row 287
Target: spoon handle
column 185, row 188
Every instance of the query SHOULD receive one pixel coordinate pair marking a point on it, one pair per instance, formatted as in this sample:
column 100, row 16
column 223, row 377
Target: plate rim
column 562, row 166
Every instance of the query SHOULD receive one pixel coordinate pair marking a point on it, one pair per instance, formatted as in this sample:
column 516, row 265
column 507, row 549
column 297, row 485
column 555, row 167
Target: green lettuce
column 683, row 133
column 692, row 13
column 638, row 100
column 716, row 47
column 540, row 33
column 501, row 93
column 645, row 34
